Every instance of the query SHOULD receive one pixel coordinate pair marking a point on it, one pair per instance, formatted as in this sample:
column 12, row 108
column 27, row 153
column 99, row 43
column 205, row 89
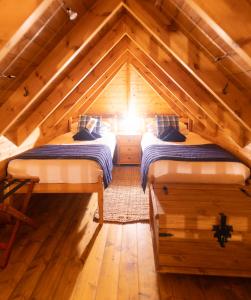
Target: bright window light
column 131, row 122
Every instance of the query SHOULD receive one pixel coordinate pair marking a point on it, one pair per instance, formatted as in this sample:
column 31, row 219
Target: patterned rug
column 124, row 199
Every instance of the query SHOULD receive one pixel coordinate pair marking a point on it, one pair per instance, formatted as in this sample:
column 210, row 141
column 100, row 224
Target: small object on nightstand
column 128, row 148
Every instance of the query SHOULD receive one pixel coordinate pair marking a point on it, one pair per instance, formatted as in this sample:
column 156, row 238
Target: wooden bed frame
column 72, row 188
column 97, row 187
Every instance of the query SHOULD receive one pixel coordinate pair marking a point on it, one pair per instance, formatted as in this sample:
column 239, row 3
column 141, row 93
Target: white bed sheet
column 63, row 170
column 194, row 172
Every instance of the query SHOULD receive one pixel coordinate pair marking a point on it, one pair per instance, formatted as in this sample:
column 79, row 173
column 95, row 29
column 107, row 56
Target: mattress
column 194, row 172
column 62, row 170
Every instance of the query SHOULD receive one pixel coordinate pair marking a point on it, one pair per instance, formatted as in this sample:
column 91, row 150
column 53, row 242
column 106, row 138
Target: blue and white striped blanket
column 206, row 152
column 98, row 153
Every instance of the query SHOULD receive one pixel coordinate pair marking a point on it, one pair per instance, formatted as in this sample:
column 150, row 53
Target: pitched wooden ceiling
column 186, row 49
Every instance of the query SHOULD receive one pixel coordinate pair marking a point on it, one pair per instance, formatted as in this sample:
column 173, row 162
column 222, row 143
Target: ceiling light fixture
column 71, row 13
column 10, row 76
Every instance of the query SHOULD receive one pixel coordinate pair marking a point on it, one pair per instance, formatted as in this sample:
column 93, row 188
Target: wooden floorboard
column 46, row 263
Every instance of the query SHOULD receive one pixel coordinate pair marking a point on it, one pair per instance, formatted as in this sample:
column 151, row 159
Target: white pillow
column 91, row 124
column 183, row 128
column 150, row 125
column 105, row 127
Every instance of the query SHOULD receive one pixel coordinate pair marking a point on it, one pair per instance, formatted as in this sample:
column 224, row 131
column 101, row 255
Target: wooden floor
column 45, row 263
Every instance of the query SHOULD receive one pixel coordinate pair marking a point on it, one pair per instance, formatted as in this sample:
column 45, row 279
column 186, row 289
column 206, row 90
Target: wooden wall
column 8, row 149
column 128, row 90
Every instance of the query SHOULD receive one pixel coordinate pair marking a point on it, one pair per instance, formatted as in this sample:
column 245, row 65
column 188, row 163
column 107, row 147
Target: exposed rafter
column 57, row 62
column 82, row 104
column 193, row 60
column 71, row 82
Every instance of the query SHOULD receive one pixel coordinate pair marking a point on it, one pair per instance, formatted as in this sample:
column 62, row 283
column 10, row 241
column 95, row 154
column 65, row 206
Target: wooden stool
column 8, row 187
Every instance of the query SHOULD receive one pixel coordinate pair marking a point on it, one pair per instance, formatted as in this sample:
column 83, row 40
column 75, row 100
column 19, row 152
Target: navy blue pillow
column 96, row 135
column 174, row 136
column 166, row 131
column 84, row 135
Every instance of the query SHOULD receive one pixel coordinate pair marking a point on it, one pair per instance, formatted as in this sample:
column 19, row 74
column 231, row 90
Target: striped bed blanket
column 99, row 153
column 205, row 152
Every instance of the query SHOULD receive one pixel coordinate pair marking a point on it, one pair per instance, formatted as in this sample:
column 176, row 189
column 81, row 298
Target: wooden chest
column 189, row 224
column 128, row 149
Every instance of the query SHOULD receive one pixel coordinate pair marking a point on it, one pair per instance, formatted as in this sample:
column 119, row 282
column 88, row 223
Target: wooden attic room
column 125, row 149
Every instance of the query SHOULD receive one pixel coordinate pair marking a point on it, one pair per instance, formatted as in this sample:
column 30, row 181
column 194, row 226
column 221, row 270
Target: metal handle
column 165, row 234
column 165, row 189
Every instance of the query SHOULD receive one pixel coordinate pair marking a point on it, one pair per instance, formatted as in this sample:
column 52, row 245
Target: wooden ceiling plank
column 199, row 125
column 218, row 15
column 83, row 107
column 70, row 82
column 57, row 61
column 157, row 86
column 205, row 37
column 94, row 78
column 26, row 24
column 165, row 94
column 175, row 93
column 204, row 70
column 207, row 102
column 49, row 131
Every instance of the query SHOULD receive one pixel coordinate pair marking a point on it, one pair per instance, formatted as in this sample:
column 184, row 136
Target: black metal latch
column 222, row 231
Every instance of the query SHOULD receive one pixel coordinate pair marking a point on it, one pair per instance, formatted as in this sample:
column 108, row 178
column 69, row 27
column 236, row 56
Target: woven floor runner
column 124, row 199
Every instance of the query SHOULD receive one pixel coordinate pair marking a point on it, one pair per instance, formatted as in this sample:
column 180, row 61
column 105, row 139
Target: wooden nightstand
column 129, row 149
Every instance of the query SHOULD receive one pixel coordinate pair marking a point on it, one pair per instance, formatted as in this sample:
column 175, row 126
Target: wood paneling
column 8, row 149
column 113, row 99
column 208, row 26
column 34, row 40
column 12, row 16
column 142, row 98
column 59, row 60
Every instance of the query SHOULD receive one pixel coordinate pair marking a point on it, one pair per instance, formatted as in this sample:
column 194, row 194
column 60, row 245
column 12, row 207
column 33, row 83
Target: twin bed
column 223, row 170
column 69, row 172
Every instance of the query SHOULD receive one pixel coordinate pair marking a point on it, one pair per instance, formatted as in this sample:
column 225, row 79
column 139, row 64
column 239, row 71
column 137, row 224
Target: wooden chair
column 8, row 187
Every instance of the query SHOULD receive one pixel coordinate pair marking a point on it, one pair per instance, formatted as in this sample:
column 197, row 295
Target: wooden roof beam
column 16, row 36
column 157, row 86
column 175, row 93
column 68, row 84
column 103, row 69
column 189, row 85
column 230, row 20
column 83, row 107
column 57, row 122
column 194, row 60
column 57, row 61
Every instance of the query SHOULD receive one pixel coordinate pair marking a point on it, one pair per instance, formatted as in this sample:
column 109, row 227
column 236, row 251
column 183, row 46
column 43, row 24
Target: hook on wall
column 225, row 89
column 26, row 92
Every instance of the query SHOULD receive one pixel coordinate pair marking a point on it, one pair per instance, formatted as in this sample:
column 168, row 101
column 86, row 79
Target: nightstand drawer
column 129, row 150
column 129, row 140
column 130, row 159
